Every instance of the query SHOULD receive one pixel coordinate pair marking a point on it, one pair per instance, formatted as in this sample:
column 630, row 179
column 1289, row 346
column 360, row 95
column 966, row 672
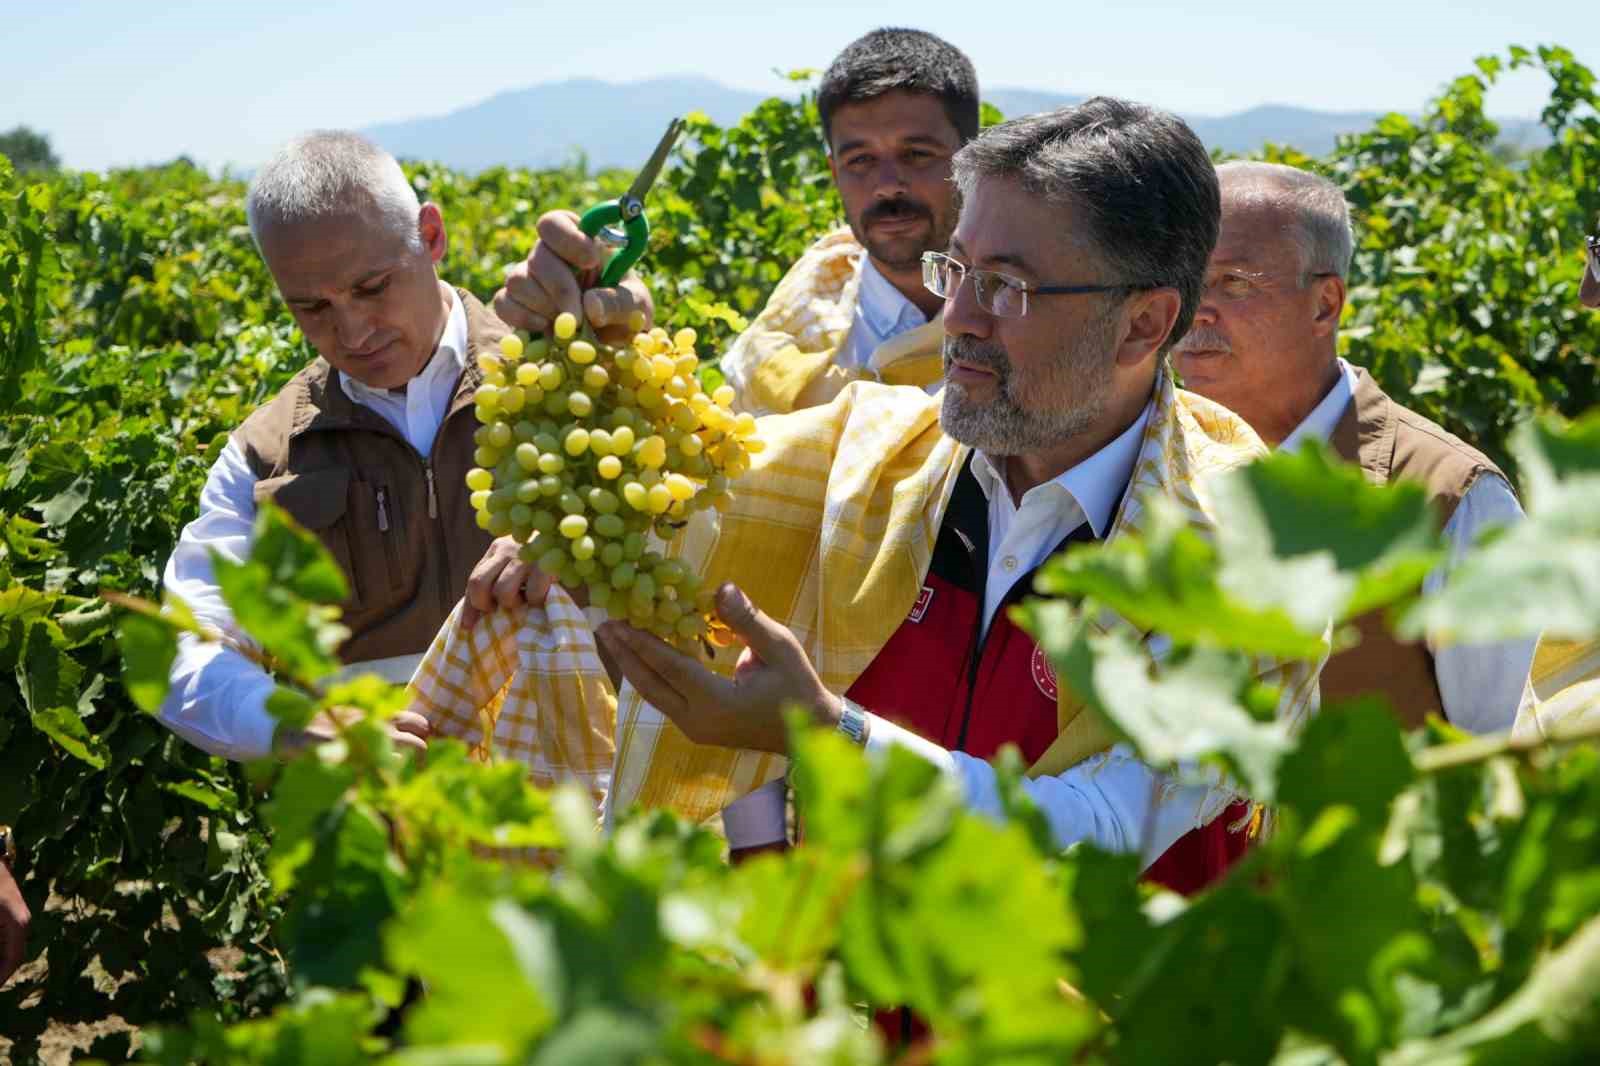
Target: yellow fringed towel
column 784, row 361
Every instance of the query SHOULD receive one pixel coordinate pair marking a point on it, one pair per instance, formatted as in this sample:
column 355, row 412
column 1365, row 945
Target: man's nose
column 1207, row 312
column 353, row 327
column 962, row 315
column 890, row 178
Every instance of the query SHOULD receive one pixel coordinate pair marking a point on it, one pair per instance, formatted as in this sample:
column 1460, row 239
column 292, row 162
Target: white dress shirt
column 1481, row 684
column 218, row 697
column 882, row 312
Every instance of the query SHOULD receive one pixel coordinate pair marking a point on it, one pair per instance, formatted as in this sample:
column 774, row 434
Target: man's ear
column 1149, row 318
column 1329, row 305
column 430, row 226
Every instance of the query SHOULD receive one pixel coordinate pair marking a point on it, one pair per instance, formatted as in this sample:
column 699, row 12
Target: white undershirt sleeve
column 1481, row 684
column 1106, row 800
column 218, row 697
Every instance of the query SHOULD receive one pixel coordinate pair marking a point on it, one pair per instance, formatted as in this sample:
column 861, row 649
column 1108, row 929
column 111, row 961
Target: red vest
column 940, row 679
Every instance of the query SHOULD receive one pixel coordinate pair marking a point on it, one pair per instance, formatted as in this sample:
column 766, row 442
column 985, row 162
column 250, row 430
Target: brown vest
column 399, row 523
column 1389, row 442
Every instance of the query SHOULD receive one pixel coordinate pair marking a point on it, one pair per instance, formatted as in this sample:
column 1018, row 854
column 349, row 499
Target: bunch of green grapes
column 586, row 450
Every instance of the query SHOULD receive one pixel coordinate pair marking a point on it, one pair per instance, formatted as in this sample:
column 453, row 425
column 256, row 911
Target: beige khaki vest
column 1389, row 442
column 399, row 523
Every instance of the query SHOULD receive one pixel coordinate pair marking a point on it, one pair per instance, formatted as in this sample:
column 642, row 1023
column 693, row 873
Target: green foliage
column 1419, row 898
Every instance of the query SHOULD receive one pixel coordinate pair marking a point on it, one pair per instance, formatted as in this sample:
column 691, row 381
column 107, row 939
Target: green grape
column 521, row 516
column 609, row 467
column 544, row 521
column 479, row 479
column 609, row 525
column 644, row 587
column 524, row 431
column 551, row 463
column 573, row 526
column 479, row 499
column 549, row 485
column 552, row 561
column 546, row 441
column 499, row 524
column 611, row 554
column 583, row 548
column 527, row 455
column 602, row 501
column 599, row 594
column 570, row 502
column 580, row 404
column 585, row 567
column 623, row 575
column 633, row 546
column 577, row 441
column 528, row 490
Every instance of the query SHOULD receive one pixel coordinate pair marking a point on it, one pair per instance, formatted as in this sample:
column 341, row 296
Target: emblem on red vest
column 920, row 608
column 1044, row 675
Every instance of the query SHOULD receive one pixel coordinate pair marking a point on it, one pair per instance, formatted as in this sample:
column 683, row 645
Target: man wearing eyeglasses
column 887, row 531
column 1264, row 343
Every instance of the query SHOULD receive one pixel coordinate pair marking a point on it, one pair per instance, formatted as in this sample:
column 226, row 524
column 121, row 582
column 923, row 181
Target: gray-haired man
column 1264, row 343
column 367, row 447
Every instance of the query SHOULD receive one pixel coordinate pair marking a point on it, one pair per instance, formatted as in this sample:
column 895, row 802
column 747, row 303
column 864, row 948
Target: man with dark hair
column 896, row 527
column 895, row 105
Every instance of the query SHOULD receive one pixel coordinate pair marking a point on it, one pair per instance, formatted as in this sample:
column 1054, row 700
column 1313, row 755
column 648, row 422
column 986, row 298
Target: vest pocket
column 319, row 501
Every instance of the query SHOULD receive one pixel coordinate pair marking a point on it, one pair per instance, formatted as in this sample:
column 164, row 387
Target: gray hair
column 1139, row 175
column 333, row 172
column 1322, row 228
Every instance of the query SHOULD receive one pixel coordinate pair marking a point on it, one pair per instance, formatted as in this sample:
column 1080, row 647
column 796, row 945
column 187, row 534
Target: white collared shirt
column 1023, row 537
column 218, row 697
column 1481, row 684
column 882, row 312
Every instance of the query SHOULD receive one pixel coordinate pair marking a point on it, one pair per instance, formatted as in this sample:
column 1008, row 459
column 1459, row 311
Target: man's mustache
column 974, row 352
column 1203, row 339
column 895, row 211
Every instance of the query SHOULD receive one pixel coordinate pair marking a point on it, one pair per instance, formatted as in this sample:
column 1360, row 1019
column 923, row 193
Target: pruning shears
column 633, row 237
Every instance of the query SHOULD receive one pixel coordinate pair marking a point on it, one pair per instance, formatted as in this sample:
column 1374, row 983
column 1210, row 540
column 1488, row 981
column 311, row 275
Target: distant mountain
column 613, row 124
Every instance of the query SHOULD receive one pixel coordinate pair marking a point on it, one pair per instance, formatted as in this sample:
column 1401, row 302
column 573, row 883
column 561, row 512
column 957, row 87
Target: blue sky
column 224, row 82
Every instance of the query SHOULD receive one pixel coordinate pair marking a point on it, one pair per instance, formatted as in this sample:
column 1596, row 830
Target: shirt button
column 1009, row 562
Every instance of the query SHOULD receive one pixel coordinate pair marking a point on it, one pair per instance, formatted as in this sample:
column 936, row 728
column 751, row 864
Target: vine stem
column 1482, row 749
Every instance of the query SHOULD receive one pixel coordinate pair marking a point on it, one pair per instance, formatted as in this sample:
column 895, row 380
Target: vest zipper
column 433, row 499
column 383, row 509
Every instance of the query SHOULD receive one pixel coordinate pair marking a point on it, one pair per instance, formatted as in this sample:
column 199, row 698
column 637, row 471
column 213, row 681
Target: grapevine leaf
column 1168, row 581
column 148, row 648
column 62, row 725
column 1310, row 535
column 1543, row 573
column 484, row 963
column 1193, row 707
column 304, row 796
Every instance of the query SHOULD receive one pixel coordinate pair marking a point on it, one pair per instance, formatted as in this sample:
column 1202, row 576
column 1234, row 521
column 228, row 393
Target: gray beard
column 1080, row 378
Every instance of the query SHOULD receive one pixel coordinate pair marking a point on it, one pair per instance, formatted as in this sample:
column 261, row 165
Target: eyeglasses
column 1236, row 286
column 1002, row 295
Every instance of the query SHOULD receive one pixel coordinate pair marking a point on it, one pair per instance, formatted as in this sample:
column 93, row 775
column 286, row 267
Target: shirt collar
column 885, row 307
column 450, row 357
column 1096, row 484
column 1324, row 418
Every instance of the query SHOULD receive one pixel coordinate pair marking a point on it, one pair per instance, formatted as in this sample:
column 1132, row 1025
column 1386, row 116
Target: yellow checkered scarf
column 784, row 360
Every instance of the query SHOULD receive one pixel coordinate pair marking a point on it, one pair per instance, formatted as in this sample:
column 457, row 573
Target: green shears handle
column 634, row 236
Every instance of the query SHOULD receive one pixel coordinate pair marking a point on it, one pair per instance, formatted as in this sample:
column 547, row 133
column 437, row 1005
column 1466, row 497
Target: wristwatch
column 8, row 846
column 853, row 722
